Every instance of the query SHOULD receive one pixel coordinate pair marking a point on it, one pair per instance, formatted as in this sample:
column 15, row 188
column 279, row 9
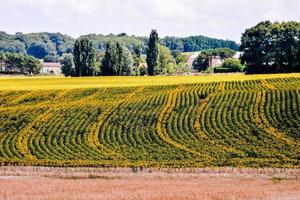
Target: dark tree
column 38, row 50
column 153, row 53
column 271, row 47
column 117, row 60
column 67, row 65
column 109, row 60
column 84, row 57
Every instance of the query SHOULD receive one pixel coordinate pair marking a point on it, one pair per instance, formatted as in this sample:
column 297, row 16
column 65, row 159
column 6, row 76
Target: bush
column 230, row 65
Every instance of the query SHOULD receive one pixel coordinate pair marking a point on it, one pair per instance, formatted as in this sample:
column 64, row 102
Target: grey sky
column 225, row 19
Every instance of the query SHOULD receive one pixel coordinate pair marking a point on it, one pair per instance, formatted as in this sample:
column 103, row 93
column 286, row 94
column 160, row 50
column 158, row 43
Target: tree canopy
column 117, row 60
column 84, row 57
column 153, row 54
column 271, row 47
column 201, row 62
column 45, row 44
column 20, row 63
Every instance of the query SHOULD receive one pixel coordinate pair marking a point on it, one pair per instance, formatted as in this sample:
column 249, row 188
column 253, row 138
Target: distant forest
column 49, row 45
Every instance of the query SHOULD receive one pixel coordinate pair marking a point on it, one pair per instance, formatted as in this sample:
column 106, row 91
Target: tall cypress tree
column 84, row 57
column 120, row 58
column 153, row 53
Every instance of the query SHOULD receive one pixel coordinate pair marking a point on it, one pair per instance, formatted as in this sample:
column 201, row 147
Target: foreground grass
column 44, row 83
column 152, row 184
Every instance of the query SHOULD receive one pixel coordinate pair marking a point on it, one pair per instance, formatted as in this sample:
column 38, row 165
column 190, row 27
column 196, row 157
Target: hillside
column 44, row 44
column 248, row 123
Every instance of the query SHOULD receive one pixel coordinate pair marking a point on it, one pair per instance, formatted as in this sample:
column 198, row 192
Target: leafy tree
column 67, row 65
column 230, row 65
column 153, row 53
column 51, row 58
column 84, row 57
column 38, row 50
column 197, row 43
column 117, row 60
column 202, row 61
column 22, row 64
column 165, row 58
column 271, row 47
column 31, row 65
column 109, row 60
column 182, row 68
column 256, row 44
column 2, row 60
column 127, row 68
column 181, row 58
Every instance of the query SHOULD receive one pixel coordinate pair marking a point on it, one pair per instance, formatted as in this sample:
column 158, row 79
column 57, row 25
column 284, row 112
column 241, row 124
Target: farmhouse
column 213, row 61
column 51, row 68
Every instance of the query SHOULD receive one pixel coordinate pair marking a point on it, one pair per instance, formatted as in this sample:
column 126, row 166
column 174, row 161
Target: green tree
column 67, row 65
column 31, row 65
column 84, row 57
column 153, row 53
column 181, row 58
column 128, row 62
column 201, row 63
column 109, row 60
column 165, row 58
column 2, row 60
column 23, row 64
column 230, row 65
column 271, row 47
column 117, row 60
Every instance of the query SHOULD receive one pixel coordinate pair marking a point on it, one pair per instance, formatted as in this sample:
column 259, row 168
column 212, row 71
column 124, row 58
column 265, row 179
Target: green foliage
column 153, row 53
column 230, row 65
column 2, row 60
column 20, row 63
column 38, row 50
column 51, row 58
column 117, row 61
column 223, row 53
column 164, row 59
column 181, row 58
column 201, row 62
column 271, row 47
column 56, row 44
column 197, row 43
column 67, row 65
column 84, row 57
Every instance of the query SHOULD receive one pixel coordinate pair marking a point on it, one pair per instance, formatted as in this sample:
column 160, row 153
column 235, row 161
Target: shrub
column 230, row 65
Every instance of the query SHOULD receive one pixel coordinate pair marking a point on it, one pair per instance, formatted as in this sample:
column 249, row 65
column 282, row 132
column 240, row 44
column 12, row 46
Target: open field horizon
column 58, row 82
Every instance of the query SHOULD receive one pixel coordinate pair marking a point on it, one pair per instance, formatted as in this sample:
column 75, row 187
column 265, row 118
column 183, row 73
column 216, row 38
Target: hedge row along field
column 250, row 123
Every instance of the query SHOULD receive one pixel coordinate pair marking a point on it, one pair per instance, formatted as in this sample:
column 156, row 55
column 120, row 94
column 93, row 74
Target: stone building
column 51, row 68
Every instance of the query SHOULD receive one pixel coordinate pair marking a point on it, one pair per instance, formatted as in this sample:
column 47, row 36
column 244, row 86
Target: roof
column 51, row 64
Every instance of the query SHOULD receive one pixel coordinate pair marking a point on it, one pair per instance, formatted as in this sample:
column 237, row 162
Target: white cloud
column 216, row 18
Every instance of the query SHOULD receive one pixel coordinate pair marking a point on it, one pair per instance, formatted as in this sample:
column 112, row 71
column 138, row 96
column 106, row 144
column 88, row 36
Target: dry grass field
column 34, row 183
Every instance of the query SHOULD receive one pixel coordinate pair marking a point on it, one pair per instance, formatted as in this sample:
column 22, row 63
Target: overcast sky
column 225, row 19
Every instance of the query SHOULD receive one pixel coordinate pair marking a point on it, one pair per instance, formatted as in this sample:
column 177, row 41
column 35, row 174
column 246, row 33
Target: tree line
column 118, row 60
column 51, row 46
column 271, row 47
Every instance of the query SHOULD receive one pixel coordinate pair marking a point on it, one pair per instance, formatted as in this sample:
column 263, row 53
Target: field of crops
column 248, row 122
